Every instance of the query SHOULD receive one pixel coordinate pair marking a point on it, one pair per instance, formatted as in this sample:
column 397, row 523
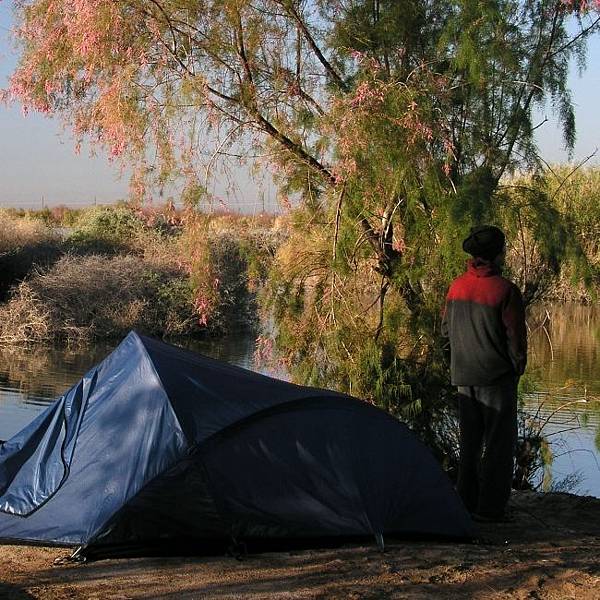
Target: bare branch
column 572, row 171
column 338, row 214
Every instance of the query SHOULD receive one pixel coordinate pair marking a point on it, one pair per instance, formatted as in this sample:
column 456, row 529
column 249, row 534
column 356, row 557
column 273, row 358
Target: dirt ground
column 551, row 550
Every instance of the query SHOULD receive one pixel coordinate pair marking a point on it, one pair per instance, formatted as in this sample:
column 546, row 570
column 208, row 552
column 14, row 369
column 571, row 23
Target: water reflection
column 39, row 373
column 564, row 353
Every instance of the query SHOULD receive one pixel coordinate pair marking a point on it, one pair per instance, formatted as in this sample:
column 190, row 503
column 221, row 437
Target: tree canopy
column 133, row 73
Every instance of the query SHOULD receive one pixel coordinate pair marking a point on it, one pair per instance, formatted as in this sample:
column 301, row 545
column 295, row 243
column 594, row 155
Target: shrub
column 24, row 242
column 15, row 232
column 106, row 230
column 227, row 260
column 158, row 270
column 570, row 195
column 83, row 297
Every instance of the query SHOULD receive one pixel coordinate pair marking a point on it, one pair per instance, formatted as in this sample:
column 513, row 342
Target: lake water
column 564, row 369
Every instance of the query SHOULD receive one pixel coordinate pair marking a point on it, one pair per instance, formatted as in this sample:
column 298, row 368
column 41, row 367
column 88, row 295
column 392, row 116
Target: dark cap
column 484, row 241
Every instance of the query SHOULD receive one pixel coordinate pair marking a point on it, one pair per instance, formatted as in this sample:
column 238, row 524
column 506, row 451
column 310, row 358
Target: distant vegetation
column 70, row 275
column 574, row 194
column 73, row 275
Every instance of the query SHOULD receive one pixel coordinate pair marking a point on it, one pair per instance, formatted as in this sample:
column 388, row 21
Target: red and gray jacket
column 484, row 318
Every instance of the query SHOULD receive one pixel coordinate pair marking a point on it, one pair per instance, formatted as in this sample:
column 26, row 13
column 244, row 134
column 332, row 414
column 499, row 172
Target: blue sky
column 38, row 162
column 37, row 157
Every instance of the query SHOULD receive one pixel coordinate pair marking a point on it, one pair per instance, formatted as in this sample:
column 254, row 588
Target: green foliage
column 193, row 194
column 577, row 194
column 374, row 28
column 175, row 307
column 422, row 152
column 472, row 204
column 105, row 229
column 551, row 248
column 533, row 453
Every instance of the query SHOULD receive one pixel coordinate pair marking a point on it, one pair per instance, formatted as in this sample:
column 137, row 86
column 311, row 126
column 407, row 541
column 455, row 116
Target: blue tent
column 160, row 444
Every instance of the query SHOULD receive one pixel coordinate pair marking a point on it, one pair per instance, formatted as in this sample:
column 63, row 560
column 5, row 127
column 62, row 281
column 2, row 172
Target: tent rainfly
column 157, row 444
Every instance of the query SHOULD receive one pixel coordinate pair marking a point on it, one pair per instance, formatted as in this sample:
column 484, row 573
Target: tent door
column 35, row 463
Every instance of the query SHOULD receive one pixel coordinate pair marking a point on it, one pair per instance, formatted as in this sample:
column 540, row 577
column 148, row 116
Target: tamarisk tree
column 393, row 123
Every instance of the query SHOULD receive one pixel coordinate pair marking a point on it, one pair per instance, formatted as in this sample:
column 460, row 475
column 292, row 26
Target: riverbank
column 107, row 270
column 549, row 552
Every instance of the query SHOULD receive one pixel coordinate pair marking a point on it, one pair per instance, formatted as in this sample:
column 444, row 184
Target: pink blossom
column 399, row 245
column 448, row 146
column 580, row 6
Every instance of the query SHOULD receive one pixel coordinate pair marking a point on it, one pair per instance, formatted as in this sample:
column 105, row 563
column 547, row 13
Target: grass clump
column 106, row 230
column 18, row 232
column 559, row 263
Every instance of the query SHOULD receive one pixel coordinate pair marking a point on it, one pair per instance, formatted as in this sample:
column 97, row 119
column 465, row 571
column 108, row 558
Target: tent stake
column 380, row 542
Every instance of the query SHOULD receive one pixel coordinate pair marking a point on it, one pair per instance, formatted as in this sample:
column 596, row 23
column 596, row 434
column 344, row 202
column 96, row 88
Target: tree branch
column 526, row 104
column 293, row 147
column 338, row 214
column 251, row 106
column 289, row 8
column 583, row 33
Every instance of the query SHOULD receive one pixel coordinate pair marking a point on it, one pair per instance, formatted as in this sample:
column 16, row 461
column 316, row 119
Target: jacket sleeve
column 513, row 318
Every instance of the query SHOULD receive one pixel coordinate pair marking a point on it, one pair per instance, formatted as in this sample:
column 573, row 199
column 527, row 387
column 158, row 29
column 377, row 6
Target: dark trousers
column 488, row 438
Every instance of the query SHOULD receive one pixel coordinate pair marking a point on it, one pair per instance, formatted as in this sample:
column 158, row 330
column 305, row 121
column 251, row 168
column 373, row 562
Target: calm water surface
column 564, row 372
column 564, row 369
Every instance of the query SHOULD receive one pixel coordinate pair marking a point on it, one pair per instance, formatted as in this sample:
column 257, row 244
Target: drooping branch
column 338, row 215
column 250, row 104
column 581, row 35
column 251, row 107
column 385, row 284
column 296, row 149
column 241, row 49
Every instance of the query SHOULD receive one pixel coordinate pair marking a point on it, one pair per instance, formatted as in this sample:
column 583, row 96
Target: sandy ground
column 551, row 550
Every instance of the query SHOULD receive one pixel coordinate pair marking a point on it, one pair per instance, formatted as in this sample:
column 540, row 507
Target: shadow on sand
column 13, row 592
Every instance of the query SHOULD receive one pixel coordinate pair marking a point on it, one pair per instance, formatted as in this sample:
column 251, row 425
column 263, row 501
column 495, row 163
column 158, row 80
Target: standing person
column 484, row 318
